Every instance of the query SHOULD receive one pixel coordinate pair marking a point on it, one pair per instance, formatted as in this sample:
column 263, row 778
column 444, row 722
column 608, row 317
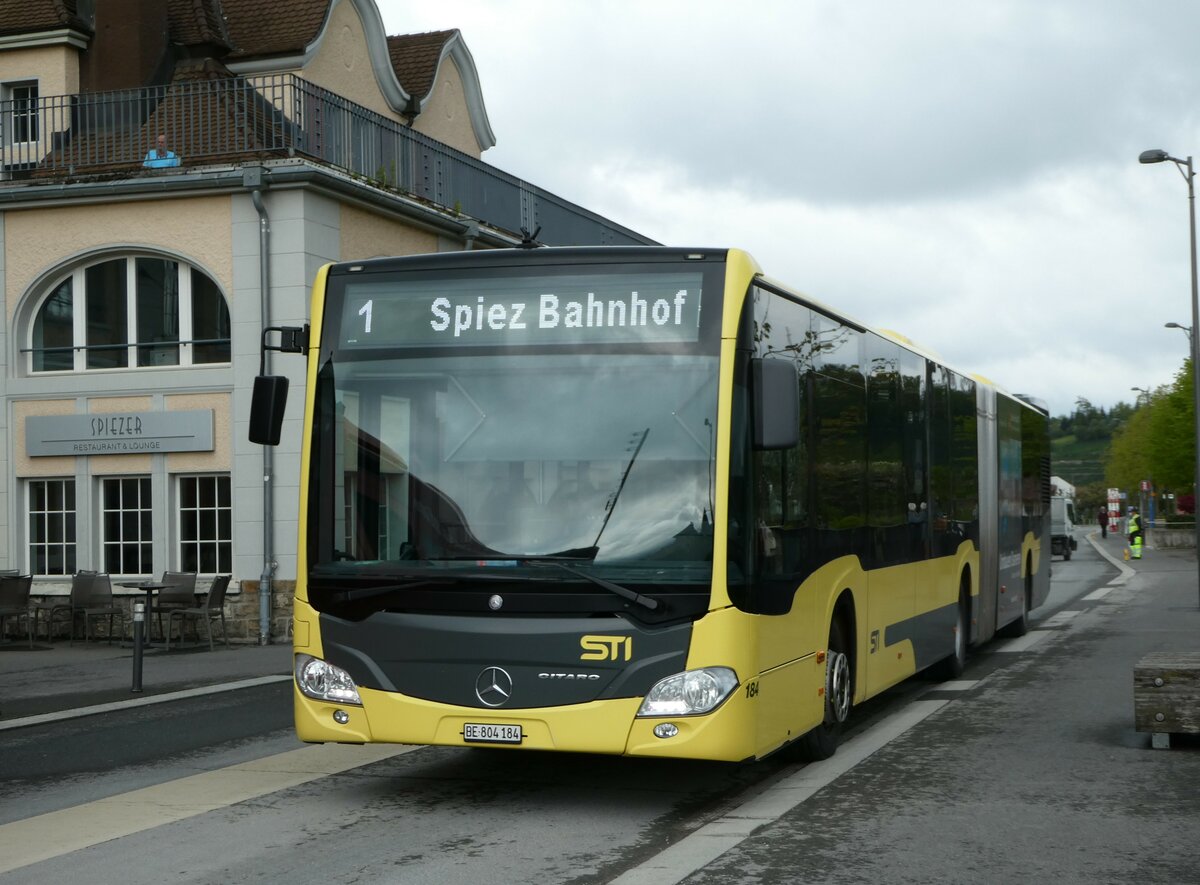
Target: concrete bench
column 1166, row 695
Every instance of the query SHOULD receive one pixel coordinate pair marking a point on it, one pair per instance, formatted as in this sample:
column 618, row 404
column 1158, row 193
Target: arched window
column 131, row 311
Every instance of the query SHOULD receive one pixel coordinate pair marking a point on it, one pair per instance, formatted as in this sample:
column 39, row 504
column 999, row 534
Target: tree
column 1128, row 457
column 1158, row 441
column 1173, row 435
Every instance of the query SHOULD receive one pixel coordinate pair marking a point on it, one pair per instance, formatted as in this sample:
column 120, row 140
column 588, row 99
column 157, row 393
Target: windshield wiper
column 611, row 504
column 424, row 581
column 624, row 592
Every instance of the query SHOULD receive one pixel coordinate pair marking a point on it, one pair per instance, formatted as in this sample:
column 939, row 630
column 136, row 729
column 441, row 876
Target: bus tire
column 952, row 666
column 822, row 741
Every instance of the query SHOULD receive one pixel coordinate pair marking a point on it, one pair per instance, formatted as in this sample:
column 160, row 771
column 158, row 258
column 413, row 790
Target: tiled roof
column 34, row 16
column 278, row 28
column 196, row 22
column 415, row 59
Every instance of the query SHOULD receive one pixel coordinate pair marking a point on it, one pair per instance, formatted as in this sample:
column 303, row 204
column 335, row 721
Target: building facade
column 174, row 173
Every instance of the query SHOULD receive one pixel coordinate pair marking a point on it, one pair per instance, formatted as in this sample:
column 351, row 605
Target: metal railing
column 250, row 119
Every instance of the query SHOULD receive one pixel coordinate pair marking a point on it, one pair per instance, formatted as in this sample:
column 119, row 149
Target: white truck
column 1062, row 526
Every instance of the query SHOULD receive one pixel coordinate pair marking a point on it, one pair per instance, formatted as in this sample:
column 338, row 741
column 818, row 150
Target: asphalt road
column 1026, row 769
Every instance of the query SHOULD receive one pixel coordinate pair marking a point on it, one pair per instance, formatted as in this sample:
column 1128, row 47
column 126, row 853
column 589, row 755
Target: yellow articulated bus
column 640, row 501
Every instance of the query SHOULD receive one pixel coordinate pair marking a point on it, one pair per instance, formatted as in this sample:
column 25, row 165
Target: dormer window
column 20, row 112
column 133, row 311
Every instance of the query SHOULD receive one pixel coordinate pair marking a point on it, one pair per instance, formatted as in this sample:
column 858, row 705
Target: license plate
column 492, row 733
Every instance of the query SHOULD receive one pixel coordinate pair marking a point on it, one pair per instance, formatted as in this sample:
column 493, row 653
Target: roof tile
column 278, row 28
column 34, row 16
column 197, row 22
column 415, row 59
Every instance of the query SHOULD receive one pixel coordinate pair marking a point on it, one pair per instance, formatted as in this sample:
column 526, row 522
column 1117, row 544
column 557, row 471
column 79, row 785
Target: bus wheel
column 822, row 741
column 952, row 666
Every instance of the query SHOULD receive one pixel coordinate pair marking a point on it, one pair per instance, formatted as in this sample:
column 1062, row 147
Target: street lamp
column 1142, row 391
column 1187, row 330
column 1189, row 176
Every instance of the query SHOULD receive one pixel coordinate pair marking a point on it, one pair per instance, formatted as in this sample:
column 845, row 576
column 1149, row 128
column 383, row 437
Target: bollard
column 139, row 617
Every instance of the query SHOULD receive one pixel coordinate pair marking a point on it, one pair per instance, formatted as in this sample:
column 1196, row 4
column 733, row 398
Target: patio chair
column 99, row 604
column 179, row 592
column 213, row 607
column 81, row 588
column 14, row 602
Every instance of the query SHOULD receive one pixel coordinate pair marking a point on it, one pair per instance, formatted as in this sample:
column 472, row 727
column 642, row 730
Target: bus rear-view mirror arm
column 269, row 400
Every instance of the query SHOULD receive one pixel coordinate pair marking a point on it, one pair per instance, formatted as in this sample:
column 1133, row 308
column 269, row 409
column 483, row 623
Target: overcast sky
column 963, row 173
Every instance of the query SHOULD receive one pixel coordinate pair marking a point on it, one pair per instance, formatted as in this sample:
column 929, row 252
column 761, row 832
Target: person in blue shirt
column 159, row 157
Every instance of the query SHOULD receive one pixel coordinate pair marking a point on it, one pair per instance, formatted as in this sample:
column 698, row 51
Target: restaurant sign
column 119, row 434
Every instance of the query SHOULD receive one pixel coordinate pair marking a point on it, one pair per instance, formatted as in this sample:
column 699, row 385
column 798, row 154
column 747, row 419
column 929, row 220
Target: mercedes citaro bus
column 641, row 501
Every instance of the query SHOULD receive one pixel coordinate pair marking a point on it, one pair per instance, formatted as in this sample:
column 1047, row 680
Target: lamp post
column 1189, row 176
column 1187, row 330
column 1146, row 514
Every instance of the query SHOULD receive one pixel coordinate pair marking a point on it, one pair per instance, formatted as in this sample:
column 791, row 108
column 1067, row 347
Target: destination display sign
column 624, row 308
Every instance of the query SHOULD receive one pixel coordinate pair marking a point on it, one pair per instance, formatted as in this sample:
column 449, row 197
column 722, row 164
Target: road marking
column 95, row 709
column 56, row 833
column 702, row 847
column 1126, row 571
column 1099, row 594
column 1022, row 643
column 1058, row 619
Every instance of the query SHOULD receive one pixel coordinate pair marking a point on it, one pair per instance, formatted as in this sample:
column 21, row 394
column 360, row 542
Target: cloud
column 963, row 173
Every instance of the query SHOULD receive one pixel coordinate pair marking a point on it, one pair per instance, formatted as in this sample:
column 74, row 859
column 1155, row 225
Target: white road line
column 957, row 685
column 94, row 709
column 1099, row 594
column 1059, row 619
column 1126, row 571
column 706, row 844
column 1022, row 643
column 56, row 833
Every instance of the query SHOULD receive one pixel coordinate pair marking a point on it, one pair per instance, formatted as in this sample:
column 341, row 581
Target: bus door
column 897, row 508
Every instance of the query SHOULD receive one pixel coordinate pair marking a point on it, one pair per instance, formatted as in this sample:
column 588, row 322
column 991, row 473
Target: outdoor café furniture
column 99, row 604
column 213, row 607
column 81, row 588
column 14, row 602
column 178, row 591
column 149, row 588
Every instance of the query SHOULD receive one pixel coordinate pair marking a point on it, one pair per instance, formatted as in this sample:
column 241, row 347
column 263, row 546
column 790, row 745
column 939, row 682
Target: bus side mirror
column 267, row 406
column 776, row 404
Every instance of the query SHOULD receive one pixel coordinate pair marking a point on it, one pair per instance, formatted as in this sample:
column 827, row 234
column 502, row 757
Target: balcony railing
column 250, row 119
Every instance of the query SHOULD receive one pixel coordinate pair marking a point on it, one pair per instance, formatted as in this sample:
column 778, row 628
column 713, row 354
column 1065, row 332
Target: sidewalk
column 1033, row 773
column 56, row 676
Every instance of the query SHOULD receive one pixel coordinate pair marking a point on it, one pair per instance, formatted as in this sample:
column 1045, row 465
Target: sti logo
column 606, row 648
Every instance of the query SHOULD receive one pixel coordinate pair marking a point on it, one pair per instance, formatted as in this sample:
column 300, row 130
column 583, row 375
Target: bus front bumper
column 609, row 727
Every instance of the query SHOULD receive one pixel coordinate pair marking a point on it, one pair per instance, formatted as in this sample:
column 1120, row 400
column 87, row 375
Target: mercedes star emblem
column 493, row 687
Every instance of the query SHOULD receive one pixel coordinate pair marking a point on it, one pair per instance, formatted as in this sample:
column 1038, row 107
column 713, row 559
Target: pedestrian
column 159, row 157
column 1135, row 533
column 1103, row 522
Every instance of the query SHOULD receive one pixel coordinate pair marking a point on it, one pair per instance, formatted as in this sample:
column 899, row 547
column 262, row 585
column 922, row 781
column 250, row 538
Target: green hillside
column 1079, row 463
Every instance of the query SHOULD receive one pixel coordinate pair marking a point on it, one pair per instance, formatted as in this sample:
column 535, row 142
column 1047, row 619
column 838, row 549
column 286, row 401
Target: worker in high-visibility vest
column 1135, row 533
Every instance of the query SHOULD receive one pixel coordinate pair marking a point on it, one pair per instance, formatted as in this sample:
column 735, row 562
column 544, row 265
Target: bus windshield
column 431, row 462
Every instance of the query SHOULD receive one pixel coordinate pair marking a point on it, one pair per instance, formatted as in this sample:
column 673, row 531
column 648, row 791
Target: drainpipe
column 470, row 233
column 253, row 179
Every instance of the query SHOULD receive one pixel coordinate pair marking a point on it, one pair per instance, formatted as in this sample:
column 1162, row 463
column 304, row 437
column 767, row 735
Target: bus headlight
column 322, row 681
column 690, row 693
